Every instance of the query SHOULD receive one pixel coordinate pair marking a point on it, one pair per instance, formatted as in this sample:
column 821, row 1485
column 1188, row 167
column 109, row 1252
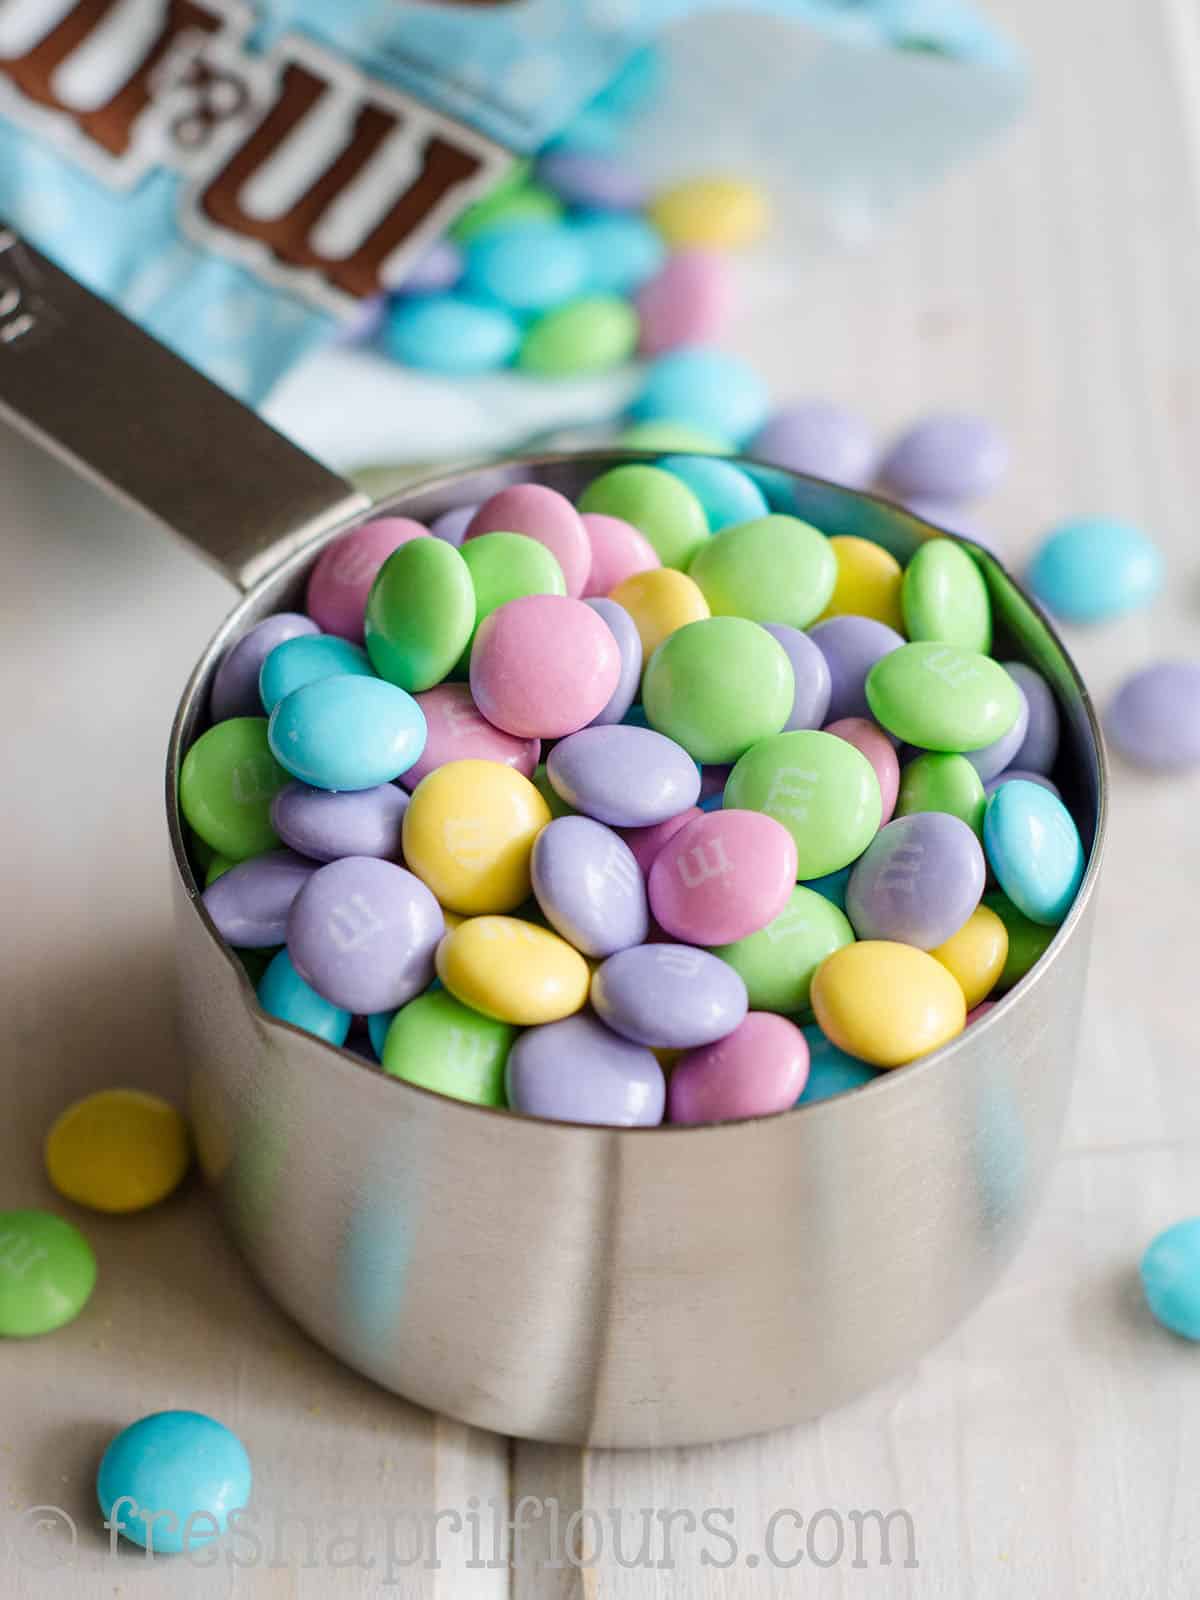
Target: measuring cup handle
column 98, row 391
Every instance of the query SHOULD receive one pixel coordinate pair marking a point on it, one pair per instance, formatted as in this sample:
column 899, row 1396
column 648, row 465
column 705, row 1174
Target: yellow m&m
column 710, row 213
column 886, row 1003
column 469, row 832
column 513, row 971
column 976, row 954
column 660, row 601
column 868, row 582
column 117, row 1150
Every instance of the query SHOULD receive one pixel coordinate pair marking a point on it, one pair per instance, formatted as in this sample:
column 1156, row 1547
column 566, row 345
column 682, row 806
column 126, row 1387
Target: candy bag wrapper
column 240, row 177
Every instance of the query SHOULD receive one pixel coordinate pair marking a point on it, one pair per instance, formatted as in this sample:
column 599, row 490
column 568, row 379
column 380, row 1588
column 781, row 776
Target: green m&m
column 718, row 686
column 656, row 433
column 226, row 784
column 1027, row 940
column 47, row 1272
column 823, row 791
column 659, row 505
column 588, row 335
column 420, row 614
column 506, row 566
column 941, row 782
column 943, row 597
column 439, row 1043
column 771, row 569
column 941, row 697
column 777, row 963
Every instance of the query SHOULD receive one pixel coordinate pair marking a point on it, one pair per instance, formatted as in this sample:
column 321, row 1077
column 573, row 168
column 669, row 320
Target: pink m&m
column 458, row 731
column 342, row 578
column 545, row 515
column 758, row 1069
column 543, row 666
column 722, row 877
column 688, row 302
column 648, row 841
column 868, row 738
column 618, row 551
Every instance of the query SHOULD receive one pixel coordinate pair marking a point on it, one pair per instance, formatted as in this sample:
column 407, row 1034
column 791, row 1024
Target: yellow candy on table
column 868, row 582
column 660, row 601
column 976, row 954
column 710, row 213
column 118, row 1150
column 886, row 1003
column 469, row 832
column 513, row 971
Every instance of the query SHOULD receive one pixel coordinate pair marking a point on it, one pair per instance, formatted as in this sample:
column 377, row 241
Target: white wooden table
column 1052, row 1446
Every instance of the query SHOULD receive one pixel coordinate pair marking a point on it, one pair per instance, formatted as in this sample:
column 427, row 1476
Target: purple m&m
column 949, row 458
column 452, row 525
column 249, row 904
column 626, row 776
column 810, row 702
column 577, row 1070
column 758, row 1069
column 593, row 180
column 1154, row 718
column 668, row 996
column 647, row 842
column 993, row 758
column 326, row 824
column 588, row 883
column 363, row 933
column 851, row 647
column 918, row 881
column 1039, row 750
column 629, row 643
column 820, row 439
column 235, row 687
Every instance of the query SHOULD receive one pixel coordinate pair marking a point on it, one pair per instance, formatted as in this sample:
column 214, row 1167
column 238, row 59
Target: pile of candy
column 624, row 775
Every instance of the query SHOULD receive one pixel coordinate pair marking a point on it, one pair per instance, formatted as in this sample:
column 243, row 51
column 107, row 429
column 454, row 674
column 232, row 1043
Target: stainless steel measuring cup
column 593, row 1285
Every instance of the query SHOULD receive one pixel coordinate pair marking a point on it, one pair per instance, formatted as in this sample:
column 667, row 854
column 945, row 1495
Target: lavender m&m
column 1154, row 717
column 451, row 527
column 947, row 457
column 439, row 268
column 249, row 904
column 918, row 881
column 593, row 180
column 668, row 996
column 235, row 685
column 758, row 1069
column 326, row 824
column 456, row 730
column 589, row 885
column 577, row 1070
column 722, row 877
column 1002, row 752
column 851, row 647
column 820, row 439
column 647, row 842
column 363, row 933
column 626, row 776
column 629, row 643
column 1039, row 749
column 814, row 686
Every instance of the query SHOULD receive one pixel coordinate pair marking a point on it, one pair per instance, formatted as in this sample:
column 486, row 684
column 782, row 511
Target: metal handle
column 100, row 392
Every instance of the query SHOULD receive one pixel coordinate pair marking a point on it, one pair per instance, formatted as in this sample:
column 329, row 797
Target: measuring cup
column 598, row 1286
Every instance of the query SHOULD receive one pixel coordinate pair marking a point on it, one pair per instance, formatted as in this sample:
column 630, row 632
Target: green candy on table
column 941, row 697
column 660, row 506
column 47, row 1273
column 717, row 687
column 1027, row 941
column 226, row 784
column 439, row 1043
column 420, row 614
column 823, row 791
column 507, row 566
column 778, row 962
column 771, row 569
column 941, row 782
column 592, row 334
column 654, row 433
column 943, row 597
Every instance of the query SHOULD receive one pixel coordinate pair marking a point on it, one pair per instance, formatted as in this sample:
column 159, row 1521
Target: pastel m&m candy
column 660, row 602
column 818, row 438
column 47, row 1273
column 456, row 730
column 812, row 685
column 543, row 666
column 346, row 732
column 917, row 882
column 629, row 643
column 688, row 302
column 758, row 1069
column 722, row 877
column 879, row 751
column 944, row 597
column 868, row 583
column 171, row 1481
column 338, row 586
column 544, row 515
column 625, row 776
column 717, row 686
column 439, row 1043
column 947, row 457
column 1092, row 569
column 588, row 883
column 420, row 613
column 1170, row 1273
column 662, row 507
column 668, row 996
column 512, row 970
column 773, row 569
column 118, row 1150
column 1154, row 717
column 851, row 646
column 778, row 962
column 577, row 1070
column 975, row 955
column 940, row 697
column 618, row 550
column 942, row 782
column 304, row 660
column 886, row 1003
column 323, row 824
column 1033, row 847
column 283, row 993
column 235, row 686
column 713, row 212
column 227, row 782
column 249, row 901
column 469, row 832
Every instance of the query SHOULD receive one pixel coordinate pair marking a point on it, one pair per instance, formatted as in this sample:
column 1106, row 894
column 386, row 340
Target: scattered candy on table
column 595, row 858
column 47, row 1273
column 170, row 1481
column 118, row 1150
